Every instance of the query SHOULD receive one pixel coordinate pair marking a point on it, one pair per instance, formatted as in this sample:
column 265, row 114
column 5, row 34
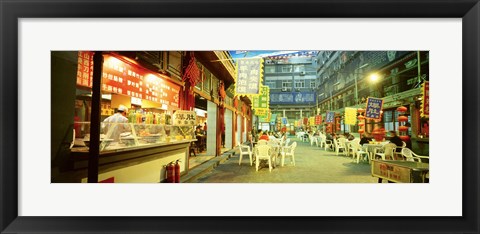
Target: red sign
column 426, row 99
column 128, row 79
column 305, row 121
column 318, row 119
column 85, row 68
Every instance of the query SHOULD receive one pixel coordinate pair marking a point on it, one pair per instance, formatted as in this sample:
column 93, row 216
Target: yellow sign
column 350, row 116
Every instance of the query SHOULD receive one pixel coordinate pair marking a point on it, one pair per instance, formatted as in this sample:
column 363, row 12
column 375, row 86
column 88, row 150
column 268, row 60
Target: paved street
column 313, row 165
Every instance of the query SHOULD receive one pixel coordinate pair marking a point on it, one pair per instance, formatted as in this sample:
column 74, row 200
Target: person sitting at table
column 259, row 133
column 349, row 136
column 396, row 140
column 264, row 136
column 365, row 139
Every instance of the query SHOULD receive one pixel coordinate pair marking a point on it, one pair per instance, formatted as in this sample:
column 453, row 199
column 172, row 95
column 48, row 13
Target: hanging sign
column 249, row 76
column 305, row 121
column 266, row 118
column 311, row 121
column 330, row 116
column 262, row 100
column 425, row 106
column 261, row 112
column 85, row 68
column 318, row 119
column 284, row 120
column 374, row 106
column 350, row 115
column 184, row 118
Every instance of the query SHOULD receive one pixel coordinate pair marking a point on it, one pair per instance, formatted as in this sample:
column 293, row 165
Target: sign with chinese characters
column 261, row 112
column 273, row 119
column 128, row 79
column 318, row 119
column 85, row 68
column 284, row 120
column 305, row 121
column 374, row 106
column 350, row 115
column 249, row 76
column 424, row 111
column 262, row 101
column 265, row 118
column 292, row 98
column 311, row 121
column 184, row 118
column 330, row 117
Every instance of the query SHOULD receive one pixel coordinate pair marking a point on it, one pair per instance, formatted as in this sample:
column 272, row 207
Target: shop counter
column 137, row 164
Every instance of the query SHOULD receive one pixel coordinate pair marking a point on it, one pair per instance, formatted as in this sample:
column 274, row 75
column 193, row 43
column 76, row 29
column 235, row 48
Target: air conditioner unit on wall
column 302, row 73
column 284, row 89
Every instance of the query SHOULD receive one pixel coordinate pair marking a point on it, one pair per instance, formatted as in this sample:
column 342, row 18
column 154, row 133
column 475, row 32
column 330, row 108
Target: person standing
column 113, row 120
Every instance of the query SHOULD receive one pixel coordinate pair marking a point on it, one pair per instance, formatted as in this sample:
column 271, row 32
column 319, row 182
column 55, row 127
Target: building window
column 312, row 84
column 300, row 84
column 299, row 68
column 286, row 84
column 271, row 84
column 287, row 68
column 269, row 69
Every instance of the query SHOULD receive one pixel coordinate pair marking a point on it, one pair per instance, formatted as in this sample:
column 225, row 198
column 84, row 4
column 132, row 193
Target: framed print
column 30, row 202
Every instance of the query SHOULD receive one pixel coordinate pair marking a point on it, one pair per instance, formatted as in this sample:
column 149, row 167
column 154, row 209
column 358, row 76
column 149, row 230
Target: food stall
column 132, row 152
column 157, row 132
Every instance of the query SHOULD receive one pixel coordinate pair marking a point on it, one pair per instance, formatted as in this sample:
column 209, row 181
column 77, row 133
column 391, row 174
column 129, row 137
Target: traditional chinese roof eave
column 218, row 64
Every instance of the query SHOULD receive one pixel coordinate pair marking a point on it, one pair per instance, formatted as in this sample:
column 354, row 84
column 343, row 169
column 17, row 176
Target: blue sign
column 292, row 98
column 284, row 120
column 330, row 117
column 374, row 106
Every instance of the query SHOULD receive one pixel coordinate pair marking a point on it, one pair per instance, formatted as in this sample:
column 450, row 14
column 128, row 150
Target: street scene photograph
column 240, row 116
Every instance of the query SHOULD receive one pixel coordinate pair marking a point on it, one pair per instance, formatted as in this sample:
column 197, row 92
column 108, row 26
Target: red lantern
column 361, row 131
column 403, row 128
column 402, row 118
column 377, row 120
column 360, row 117
column 361, row 124
column 404, row 138
column 360, row 110
column 401, row 109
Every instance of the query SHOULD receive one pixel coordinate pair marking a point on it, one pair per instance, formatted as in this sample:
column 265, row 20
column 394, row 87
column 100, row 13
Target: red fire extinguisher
column 177, row 171
column 170, row 168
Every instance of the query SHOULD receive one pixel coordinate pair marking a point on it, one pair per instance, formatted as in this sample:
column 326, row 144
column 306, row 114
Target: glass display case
column 116, row 136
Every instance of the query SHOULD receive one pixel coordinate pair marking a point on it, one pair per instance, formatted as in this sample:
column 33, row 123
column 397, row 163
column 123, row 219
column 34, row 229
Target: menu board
column 128, row 79
column 249, row 74
column 374, row 106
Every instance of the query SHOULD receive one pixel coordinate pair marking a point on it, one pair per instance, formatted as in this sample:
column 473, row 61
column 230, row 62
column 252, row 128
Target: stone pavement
column 313, row 165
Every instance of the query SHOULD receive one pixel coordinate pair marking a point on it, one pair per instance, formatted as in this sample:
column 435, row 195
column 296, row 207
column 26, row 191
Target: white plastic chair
column 339, row 145
column 244, row 150
column 289, row 151
column 388, row 151
column 326, row 144
column 313, row 140
column 263, row 152
column 358, row 151
column 411, row 156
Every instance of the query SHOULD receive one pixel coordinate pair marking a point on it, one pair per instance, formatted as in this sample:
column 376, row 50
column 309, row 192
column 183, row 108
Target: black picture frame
column 11, row 11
